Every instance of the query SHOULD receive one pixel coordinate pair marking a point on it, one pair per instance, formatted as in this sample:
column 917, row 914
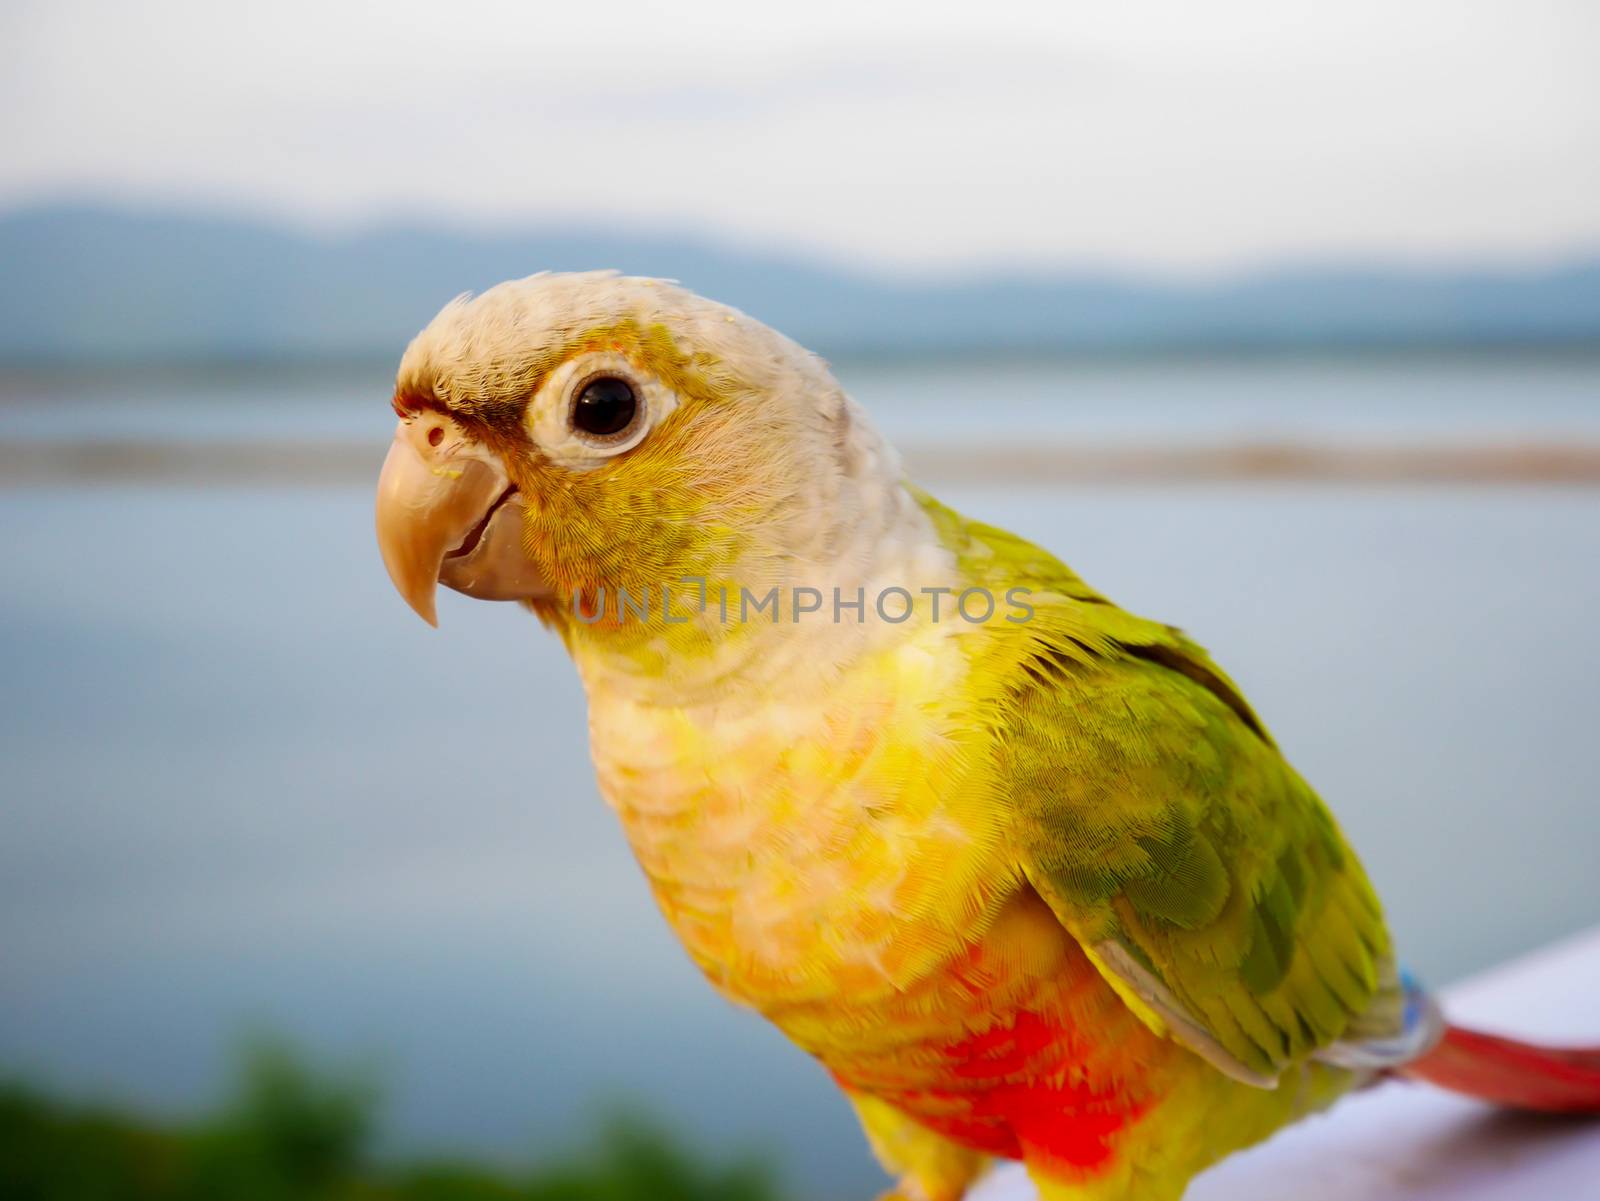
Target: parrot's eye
column 595, row 407
column 605, row 407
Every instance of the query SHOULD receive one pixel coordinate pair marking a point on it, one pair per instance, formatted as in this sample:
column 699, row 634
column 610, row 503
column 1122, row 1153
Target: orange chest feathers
column 845, row 868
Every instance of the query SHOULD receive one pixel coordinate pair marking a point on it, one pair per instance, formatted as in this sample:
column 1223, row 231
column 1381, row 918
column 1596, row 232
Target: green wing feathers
column 1156, row 817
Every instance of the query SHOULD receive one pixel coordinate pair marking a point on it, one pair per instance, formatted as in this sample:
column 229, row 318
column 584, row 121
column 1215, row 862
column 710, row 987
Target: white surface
column 1409, row 1142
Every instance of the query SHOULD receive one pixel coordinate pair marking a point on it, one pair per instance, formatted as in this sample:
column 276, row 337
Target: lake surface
column 246, row 787
column 1393, row 397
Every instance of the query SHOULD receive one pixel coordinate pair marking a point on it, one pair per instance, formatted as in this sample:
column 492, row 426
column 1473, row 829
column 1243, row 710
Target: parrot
column 1024, row 871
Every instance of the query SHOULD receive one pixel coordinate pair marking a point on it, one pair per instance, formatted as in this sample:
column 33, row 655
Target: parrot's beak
column 447, row 513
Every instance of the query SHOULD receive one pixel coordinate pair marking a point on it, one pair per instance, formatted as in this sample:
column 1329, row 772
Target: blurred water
column 1399, row 396
column 244, row 784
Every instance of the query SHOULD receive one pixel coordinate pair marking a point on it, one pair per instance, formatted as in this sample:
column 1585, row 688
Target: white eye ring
column 549, row 414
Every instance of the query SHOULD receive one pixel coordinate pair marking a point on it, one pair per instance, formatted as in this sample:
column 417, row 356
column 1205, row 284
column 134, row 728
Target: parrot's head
column 564, row 438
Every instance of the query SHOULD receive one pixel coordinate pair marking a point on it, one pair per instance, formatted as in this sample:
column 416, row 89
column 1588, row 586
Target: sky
column 1169, row 138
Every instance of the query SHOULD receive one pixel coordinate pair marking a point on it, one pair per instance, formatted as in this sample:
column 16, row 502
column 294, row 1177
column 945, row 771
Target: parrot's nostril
column 436, row 435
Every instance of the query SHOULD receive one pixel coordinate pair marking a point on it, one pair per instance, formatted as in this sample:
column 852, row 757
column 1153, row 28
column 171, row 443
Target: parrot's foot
column 930, row 1167
column 911, row 1190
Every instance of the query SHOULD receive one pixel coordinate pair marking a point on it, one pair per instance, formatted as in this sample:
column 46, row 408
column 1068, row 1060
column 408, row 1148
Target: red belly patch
column 1021, row 1090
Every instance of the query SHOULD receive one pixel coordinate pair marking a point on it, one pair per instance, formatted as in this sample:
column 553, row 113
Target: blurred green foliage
column 288, row 1134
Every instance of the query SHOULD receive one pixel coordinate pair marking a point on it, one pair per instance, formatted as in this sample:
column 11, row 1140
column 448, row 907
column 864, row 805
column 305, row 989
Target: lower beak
column 447, row 513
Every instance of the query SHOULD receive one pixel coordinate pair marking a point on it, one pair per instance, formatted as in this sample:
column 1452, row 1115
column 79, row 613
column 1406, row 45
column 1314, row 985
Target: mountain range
column 81, row 282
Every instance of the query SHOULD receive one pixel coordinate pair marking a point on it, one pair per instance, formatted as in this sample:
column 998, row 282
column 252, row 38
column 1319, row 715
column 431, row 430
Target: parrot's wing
column 1154, row 815
column 1201, row 875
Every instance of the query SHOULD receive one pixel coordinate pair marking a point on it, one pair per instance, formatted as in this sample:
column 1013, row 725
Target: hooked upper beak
column 448, row 513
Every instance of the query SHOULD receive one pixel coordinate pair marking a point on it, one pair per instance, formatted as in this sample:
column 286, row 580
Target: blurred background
column 1280, row 321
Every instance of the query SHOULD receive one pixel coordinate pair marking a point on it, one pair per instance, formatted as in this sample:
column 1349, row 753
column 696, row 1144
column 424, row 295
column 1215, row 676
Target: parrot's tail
column 1517, row 1075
